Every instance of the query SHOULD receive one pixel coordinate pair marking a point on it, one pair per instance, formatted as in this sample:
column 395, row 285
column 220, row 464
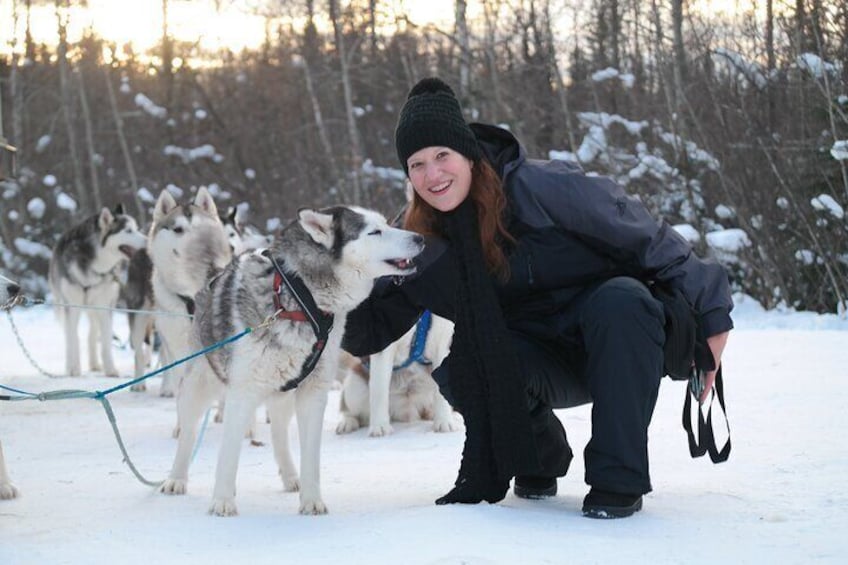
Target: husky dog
column 335, row 254
column 137, row 294
column 84, row 271
column 397, row 388
column 243, row 237
column 187, row 245
column 8, row 291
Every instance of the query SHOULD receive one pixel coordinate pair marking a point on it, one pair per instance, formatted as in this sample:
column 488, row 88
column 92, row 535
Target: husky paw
column 347, row 425
column 223, row 507
column 290, row 484
column 444, row 426
column 380, row 430
column 139, row 387
column 95, row 366
column 166, row 393
column 173, row 486
column 74, row 372
column 8, row 491
column 111, row 372
column 313, row 507
column 219, row 416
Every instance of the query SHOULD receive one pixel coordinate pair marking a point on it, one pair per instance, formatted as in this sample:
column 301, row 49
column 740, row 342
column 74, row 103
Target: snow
column 839, row 151
column 36, row 208
column 779, row 499
column 66, row 202
column 149, row 106
column 825, row 202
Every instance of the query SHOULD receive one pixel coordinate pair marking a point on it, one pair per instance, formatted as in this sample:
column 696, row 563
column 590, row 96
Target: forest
column 719, row 121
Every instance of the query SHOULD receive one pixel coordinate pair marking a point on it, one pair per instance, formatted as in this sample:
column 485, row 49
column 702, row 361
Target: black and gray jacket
column 572, row 232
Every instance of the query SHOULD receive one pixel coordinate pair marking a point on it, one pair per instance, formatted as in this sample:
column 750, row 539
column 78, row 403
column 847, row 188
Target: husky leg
column 354, row 409
column 93, row 334
column 443, row 419
column 138, row 333
column 71, row 318
column 104, row 325
column 310, row 403
column 241, row 407
column 382, row 364
column 7, row 489
column 197, row 393
column 281, row 406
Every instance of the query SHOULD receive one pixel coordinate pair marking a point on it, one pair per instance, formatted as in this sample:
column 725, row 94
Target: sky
column 238, row 23
column 780, row 499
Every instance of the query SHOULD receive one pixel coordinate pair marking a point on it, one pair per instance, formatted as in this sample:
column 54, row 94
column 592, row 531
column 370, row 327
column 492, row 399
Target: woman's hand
column 716, row 344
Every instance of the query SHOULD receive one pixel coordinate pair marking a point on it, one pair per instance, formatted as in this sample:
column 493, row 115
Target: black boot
column 606, row 505
column 535, row 488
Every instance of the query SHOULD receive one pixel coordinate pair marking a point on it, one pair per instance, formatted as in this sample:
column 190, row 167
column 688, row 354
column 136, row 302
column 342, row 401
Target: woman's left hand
column 716, row 344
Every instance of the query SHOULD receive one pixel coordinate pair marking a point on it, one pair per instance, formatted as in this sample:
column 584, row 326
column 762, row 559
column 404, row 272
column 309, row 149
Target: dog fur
column 381, row 394
column 337, row 253
column 84, row 270
column 8, row 291
column 187, row 245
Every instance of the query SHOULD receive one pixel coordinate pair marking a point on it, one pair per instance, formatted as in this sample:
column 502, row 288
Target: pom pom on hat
column 431, row 117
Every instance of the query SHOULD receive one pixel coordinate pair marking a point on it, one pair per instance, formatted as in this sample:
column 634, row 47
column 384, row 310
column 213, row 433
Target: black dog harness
column 321, row 322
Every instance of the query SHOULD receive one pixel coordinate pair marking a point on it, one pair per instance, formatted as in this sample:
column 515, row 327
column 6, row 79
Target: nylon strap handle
column 705, row 441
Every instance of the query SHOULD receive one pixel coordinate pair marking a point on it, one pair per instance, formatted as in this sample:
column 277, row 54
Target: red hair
column 489, row 199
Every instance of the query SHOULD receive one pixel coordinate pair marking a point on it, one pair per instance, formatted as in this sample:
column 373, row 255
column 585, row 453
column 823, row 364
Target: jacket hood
column 500, row 147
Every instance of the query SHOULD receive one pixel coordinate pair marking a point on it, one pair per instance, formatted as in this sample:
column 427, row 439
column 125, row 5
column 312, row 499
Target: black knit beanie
column 432, row 117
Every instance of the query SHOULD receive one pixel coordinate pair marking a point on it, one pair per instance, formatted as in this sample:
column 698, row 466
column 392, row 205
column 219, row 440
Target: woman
column 545, row 272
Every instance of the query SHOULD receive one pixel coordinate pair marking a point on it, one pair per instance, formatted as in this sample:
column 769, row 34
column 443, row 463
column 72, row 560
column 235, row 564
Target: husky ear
column 119, row 209
column 319, row 226
column 232, row 216
column 204, row 201
column 164, row 205
column 105, row 218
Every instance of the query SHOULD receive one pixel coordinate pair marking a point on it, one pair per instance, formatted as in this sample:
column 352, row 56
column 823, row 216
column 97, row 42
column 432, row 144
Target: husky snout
column 406, row 265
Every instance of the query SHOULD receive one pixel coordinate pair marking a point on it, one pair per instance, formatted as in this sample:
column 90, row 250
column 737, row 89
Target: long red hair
column 489, row 199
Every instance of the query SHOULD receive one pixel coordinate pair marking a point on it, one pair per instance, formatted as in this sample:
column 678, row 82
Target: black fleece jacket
column 573, row 231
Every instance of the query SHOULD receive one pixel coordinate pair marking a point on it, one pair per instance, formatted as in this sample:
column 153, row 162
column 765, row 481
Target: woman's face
column 440, row 176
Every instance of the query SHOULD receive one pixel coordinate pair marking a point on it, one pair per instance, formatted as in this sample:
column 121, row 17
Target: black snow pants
column 606, row 347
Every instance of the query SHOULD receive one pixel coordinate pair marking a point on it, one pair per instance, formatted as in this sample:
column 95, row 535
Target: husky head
column 119, row 235
column 8, row 291
column 360, row 241
column 234, row 230
column 188, row 240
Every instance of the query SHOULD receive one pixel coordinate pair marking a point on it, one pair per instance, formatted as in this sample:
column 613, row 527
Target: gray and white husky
column 8, row 291
column 187, row 245
column 84, row 271
column 337, row 253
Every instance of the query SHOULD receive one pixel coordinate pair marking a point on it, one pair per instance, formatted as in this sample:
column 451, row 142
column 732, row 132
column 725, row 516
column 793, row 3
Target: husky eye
column 178, row 229
column 376, row 232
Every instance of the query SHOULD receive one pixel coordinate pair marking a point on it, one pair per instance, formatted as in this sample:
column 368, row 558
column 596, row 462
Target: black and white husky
column 84, row 272
column 8, row 291
column 187, row 245
column 335, row 254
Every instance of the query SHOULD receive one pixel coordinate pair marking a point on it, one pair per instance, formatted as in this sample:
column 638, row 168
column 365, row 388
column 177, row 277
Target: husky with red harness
column 296, row 297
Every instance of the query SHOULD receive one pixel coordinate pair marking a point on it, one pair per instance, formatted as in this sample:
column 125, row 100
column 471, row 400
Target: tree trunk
column 89, row 141
column 125, row 150
column 65, row 95
column 462, row 40
column 352, row 129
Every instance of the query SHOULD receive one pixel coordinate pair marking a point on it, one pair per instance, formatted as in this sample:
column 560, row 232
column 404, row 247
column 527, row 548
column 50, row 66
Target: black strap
column 321, row 322
column 705, row 441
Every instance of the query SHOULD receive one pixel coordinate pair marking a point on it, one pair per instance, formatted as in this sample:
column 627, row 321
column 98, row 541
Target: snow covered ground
column 781, row 498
